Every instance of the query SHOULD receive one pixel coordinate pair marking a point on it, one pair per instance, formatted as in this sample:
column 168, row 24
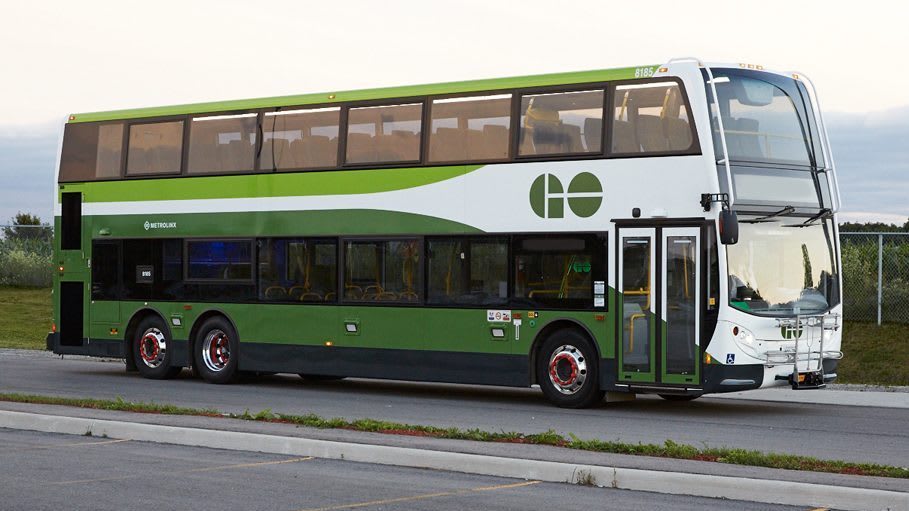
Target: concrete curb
column 677, row 483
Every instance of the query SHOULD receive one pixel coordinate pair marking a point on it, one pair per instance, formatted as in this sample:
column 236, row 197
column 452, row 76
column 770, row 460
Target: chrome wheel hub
column 216, row 350
column 152, row 348
column 567, row 369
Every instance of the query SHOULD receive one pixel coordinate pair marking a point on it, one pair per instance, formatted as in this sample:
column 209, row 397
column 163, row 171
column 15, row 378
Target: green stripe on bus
column 344, row 182
column 274, row 223
column 371, row 94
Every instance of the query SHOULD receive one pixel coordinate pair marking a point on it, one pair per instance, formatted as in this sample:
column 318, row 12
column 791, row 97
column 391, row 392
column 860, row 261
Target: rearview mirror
column 729, row 227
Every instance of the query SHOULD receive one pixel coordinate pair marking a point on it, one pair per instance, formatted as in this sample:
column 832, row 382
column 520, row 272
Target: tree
column 873, row 227
column 25, row 226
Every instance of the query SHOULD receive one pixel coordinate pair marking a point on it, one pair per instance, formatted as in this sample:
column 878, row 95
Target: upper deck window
column 764, row 119
column 300, row 139
column 650, row 118
column 470, row 128
column 384, row 134
column 155, row 148
column 91, row 151
column 561, row 123
column 223, row 143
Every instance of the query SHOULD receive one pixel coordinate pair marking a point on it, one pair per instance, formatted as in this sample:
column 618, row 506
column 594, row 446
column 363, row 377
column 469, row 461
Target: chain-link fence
column 875, row 276
column 25, row 255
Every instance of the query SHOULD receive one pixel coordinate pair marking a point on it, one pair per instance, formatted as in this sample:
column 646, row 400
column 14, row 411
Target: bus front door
column 658, row 307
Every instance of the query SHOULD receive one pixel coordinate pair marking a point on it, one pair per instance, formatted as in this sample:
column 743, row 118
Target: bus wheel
column 216, row 351
column 679, row 397
column 567, row 370
column 152, row 350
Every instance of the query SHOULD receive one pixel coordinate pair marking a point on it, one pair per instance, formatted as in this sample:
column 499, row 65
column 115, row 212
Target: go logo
column 547, row 196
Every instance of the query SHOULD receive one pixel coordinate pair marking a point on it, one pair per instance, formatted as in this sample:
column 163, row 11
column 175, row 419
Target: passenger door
column 659, row 305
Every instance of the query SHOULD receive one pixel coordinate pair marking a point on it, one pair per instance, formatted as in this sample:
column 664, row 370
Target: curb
column 676, row 483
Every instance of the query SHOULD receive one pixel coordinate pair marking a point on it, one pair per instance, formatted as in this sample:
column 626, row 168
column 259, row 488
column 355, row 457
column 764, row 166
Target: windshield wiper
column 770, row 217
column 823, row 213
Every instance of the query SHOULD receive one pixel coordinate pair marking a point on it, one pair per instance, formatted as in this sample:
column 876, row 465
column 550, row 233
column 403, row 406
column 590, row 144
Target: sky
column 66, row 57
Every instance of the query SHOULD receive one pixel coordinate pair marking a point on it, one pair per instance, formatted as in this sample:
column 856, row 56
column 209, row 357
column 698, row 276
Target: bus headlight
column 745, row 339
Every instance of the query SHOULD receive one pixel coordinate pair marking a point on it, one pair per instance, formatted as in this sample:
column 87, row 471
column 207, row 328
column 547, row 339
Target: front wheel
column 568, row 370
column 216, row 351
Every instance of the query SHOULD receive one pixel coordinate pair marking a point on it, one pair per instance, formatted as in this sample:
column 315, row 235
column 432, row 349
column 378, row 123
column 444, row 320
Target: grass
column 669, row 449
column 872, row 353
column 25, row 317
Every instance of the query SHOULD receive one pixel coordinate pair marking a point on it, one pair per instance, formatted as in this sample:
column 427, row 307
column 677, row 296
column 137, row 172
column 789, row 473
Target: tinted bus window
column 561, row 123
column 152, row 269
column 219, row 260
column 383, row 271
column 384, row 134
column 300, row 139
column 559, row 271
column 91, row 151
column 298, row 270
column 155, row 148
column 471, row 128
column 468, row 272
column 650, row 118
column 223, row 143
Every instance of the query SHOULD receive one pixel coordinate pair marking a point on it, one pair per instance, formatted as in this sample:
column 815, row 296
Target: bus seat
column 448, row 144
column 361, row 147
column 310, row 296
column 235, row 156
column 295, row 292
column 571, row 139
column 623, row 138
column 593, row 134
column 137, row 160
column 495, row 140
column 319, row 151
column 678, row 132
column 279, row 149
column 650, row 133
column 275, row 293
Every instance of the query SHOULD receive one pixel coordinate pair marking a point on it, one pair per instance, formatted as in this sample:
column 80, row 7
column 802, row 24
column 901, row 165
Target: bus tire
column 216, row 352
column 568, row 370
column 153, row 349
column 679, row 397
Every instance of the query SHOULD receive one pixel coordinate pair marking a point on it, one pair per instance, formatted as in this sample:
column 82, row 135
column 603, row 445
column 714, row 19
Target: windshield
column 766, row 118
column 777, row 269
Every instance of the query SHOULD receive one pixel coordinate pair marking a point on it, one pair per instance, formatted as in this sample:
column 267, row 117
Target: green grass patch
column 874, row 354
column 669, row 449
column 25, row 317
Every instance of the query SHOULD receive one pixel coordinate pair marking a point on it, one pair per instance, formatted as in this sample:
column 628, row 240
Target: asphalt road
column 48, row 471
column 863, row 434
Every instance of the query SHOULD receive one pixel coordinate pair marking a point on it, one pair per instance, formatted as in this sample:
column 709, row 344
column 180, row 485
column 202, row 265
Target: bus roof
column 323, row 98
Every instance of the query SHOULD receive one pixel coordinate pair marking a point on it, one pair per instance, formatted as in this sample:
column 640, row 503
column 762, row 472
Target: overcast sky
column 65, row 57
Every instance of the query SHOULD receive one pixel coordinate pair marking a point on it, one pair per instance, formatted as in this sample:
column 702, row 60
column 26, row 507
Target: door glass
column 636, row 304
column 681, row 304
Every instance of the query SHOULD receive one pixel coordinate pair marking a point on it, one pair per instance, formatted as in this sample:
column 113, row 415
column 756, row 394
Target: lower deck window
column 383, row 271
column 219, row 260
column 468, row 271
column 298, row 270
column 558, row 271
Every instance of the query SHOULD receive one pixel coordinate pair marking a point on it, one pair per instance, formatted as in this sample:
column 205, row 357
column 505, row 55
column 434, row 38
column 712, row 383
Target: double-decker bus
column 665, row 229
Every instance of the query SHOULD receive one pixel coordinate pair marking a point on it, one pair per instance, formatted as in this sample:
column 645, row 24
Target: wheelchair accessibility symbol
column 730, row 358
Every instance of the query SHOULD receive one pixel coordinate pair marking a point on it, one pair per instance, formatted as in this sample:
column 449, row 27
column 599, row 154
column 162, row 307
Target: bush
column 25, row 263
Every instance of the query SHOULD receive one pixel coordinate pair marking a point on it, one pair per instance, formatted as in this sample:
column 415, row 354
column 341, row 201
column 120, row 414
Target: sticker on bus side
column 498, row 316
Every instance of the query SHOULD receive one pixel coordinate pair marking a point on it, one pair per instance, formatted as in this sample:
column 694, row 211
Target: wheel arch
column 552, row 327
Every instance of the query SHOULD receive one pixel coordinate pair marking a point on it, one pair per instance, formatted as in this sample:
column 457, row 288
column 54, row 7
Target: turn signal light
column 329, row 343
column 53, row 328
column 61, row 269
column 707, row 358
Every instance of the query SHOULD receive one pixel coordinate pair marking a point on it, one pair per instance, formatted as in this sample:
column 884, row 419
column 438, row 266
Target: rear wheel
column 216, row 354
column 153, row 350
column 567, row 370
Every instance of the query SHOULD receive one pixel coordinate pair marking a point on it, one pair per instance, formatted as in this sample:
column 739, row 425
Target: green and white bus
column 665, row 229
